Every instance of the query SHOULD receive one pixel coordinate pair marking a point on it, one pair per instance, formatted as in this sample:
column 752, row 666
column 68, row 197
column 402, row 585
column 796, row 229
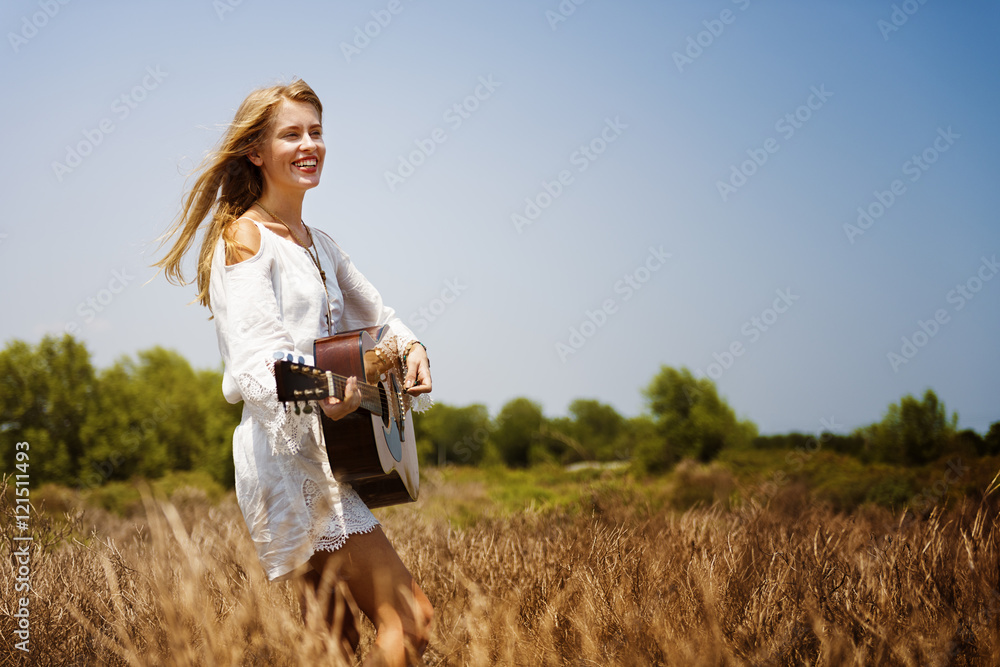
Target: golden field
column 602, row 570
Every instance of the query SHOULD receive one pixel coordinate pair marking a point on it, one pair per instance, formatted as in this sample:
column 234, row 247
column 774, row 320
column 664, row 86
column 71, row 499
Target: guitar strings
column 371, row 397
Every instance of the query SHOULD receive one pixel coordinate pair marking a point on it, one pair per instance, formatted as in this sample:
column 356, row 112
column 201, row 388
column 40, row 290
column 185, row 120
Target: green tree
column 592, row 431
column 518, row 432
column 912, row 432
column 992, row 440
column 46, row 393
column 637, row 434
column 967, row 443
column 121, row 430
column 691, row 420
column 448, row 434
column 155, row 414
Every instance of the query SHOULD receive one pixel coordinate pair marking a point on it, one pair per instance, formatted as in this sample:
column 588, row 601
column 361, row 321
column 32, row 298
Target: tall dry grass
column 615, row 583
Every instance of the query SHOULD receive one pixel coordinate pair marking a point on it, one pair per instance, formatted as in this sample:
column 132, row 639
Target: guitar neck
column 370, row 398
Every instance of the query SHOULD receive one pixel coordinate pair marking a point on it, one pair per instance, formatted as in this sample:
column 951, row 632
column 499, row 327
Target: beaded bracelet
column 407, row 351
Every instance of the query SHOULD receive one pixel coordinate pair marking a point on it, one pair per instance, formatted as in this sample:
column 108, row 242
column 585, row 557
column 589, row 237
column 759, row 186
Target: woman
column 274, row 285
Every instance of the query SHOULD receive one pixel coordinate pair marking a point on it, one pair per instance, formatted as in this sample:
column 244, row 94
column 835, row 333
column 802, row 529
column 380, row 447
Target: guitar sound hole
column 384, row 403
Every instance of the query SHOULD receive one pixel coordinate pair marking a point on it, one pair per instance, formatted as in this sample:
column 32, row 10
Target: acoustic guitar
column 373, row 448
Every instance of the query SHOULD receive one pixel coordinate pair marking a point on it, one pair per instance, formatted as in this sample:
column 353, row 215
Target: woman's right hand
column 335, row 408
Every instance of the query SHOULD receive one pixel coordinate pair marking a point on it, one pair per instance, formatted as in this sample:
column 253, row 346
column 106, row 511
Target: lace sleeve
column 255, row 333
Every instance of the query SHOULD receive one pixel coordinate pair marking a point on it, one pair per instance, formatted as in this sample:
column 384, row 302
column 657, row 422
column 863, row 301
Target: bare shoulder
column 245, row 239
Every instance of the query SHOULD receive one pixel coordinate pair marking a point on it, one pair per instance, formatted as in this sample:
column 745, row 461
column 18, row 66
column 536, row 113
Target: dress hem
column 286, row 574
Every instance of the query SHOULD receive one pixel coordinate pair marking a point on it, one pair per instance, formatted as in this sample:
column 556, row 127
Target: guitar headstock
column 298, row 382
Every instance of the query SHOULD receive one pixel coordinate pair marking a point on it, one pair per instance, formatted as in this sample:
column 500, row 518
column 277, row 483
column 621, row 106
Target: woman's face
column 291, row 156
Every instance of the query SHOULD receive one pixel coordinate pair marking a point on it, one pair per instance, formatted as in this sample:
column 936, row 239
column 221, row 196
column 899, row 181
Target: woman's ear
column 255, row 157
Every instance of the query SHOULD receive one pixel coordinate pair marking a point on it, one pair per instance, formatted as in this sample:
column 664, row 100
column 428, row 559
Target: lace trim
column 285, row 429
column 421, row 403
column 335, row 515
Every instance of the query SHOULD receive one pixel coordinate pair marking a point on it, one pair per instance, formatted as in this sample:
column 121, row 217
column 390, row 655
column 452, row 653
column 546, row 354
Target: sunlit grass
column 535, row 567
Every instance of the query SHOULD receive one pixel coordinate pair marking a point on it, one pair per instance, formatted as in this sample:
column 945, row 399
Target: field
column 540, row 567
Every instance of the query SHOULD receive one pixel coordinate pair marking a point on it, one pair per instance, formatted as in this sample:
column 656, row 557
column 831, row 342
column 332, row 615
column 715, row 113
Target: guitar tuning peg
column 278, row 355
column 290, row 357
column 308, row 409
column 298, row 410
column 302, row 360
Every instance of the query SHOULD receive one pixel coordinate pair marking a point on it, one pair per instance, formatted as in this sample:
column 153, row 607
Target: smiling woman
column 275, row 284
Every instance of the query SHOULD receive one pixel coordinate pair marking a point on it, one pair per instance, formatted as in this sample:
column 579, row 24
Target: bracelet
column 406, row 351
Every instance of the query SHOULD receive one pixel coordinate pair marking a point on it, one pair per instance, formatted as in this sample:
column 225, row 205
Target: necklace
column 308, row 246
column 313, row 255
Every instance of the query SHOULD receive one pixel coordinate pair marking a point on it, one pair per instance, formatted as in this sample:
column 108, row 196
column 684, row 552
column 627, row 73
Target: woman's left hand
column 418, row 371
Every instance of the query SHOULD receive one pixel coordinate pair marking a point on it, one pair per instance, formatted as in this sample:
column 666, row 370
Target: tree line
column 155, row 413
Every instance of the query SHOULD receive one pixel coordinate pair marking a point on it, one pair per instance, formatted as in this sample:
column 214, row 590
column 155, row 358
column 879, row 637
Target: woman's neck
column 286, row 207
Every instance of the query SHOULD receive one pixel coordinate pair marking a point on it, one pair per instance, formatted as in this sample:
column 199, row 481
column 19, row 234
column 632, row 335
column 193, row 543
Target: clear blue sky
column 694, row 166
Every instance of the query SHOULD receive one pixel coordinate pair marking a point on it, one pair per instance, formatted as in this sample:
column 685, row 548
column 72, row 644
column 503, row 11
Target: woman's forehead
column 292, row 112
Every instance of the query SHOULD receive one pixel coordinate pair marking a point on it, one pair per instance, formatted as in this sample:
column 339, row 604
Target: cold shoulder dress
column 274, row 302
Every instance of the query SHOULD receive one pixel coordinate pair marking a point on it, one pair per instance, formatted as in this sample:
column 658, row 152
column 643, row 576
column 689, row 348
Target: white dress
column 275, row 302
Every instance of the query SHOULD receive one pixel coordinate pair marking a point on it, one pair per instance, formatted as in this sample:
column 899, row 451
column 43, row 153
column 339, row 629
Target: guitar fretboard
column 371, row 398
column 328, row 383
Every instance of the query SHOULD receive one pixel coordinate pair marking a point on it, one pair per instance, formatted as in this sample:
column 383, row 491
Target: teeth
column 306, row 163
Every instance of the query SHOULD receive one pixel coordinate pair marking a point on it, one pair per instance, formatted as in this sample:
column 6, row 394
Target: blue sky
column 613, row 186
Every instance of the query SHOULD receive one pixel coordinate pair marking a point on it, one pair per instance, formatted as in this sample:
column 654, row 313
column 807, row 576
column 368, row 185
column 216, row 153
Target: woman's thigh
column 381, row 585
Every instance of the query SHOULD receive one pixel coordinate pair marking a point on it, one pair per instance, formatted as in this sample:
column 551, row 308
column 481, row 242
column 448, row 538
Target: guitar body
column 375, row 454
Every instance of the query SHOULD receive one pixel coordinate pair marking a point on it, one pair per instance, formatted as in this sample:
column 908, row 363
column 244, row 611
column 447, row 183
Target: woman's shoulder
column 245, row 238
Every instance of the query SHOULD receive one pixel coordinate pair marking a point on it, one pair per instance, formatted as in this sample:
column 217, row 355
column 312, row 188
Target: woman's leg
column 386, row 592
column 334, row 606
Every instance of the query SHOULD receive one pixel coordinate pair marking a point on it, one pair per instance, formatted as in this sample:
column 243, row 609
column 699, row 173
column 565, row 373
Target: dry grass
column 615, row 583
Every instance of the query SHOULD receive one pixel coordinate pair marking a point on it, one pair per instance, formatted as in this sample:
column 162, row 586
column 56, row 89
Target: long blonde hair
column 228, row 184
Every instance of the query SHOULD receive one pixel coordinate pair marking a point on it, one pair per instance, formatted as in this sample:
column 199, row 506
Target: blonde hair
column 228, row 184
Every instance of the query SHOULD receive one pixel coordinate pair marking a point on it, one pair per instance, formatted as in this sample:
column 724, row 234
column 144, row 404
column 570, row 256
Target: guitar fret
column 336, row 386
column 370, row 399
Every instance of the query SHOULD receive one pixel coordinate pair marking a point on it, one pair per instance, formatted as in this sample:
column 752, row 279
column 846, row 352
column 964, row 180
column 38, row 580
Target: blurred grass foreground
column 533, row 567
